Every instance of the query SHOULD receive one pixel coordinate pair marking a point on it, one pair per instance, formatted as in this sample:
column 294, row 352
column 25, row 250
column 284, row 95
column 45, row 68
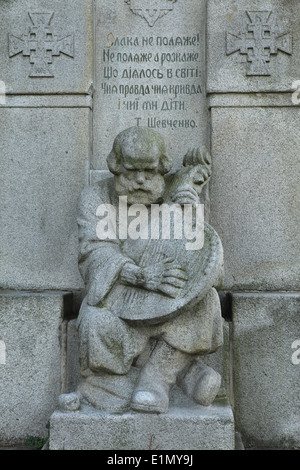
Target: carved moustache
column 139, row 187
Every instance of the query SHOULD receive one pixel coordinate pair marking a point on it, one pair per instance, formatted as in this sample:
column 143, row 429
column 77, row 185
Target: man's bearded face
column 140, row 180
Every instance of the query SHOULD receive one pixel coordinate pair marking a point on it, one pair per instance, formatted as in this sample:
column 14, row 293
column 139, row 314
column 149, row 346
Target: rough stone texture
column 191, row 427
column 142, row 287
column 228, row 73
column 98, row 175
column 31, row 377
column 220, row 361
column 71, row 70
column 121, row 34
column 254, row 193
column 43, row 169
column 73, row 368
column 266, row 381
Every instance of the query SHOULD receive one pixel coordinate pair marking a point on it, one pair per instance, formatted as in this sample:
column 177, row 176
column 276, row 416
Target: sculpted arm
column 100, row 261
column 165, row 276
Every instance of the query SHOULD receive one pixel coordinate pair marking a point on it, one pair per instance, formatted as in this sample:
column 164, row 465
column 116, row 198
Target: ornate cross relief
column 41, row 44
column 262, row 39
column 151, row 10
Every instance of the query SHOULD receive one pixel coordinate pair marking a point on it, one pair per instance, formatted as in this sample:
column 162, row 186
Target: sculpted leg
column 200, row 382
column 157, row 376
column 198, row 332
column 107, row 344
column 108, row 347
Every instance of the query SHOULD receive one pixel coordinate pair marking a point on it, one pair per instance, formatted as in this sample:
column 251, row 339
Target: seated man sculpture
column 151, row 308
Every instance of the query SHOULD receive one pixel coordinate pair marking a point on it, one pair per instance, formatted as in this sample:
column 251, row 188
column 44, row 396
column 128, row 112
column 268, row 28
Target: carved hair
column 141, row 142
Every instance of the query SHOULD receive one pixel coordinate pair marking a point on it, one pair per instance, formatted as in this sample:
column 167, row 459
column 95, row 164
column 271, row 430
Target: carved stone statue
column 151, row 308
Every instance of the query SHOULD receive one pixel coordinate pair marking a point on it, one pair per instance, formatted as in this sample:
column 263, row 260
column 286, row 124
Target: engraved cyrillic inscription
column 147, row 75
column 151, row 10
column 261, row 40
column 41, row 44
column 151, row 76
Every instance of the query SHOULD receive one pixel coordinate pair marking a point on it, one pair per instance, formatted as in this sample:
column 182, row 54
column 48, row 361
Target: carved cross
column 41, row 44
column 259, row 42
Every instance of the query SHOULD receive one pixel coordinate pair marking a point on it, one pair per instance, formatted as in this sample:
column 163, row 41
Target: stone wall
column 255, row 206
column 45, row 147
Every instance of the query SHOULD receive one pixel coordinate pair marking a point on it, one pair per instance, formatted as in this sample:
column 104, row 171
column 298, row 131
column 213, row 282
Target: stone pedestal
column 185, row 427
column 31, row 361
column 266, row 389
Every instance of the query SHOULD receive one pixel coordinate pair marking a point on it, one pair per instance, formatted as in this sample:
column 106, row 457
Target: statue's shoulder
column 99, row 192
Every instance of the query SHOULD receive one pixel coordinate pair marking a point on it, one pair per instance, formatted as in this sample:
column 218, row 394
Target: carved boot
column 151, row 394
column 200, row 382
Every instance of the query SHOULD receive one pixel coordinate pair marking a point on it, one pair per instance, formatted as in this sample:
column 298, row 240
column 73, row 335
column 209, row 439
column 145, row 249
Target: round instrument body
column 203, row 269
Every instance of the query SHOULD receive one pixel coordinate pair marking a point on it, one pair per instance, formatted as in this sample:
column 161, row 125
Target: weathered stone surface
column 188, row 427
column 46, row 47
column 219, row 361
column 73, row 369
column 266, row 368
column 150, row 72
column 142, row 287
column 31, row 376
column 44, row 167
column 253, row 46
column 98, row 175
column 254, row 193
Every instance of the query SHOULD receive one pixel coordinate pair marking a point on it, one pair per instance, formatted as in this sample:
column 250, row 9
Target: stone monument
column 142, row 290
column 151, row 309
column 215, row 74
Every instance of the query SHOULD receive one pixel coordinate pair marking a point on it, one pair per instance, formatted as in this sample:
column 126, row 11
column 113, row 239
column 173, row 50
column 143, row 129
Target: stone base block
column 266, row 368
column 192, row 427
column 30, row 362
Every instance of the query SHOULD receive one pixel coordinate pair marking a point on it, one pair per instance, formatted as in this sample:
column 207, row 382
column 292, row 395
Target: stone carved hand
column 164, row 276
column 185, row 194
column 188, row 183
